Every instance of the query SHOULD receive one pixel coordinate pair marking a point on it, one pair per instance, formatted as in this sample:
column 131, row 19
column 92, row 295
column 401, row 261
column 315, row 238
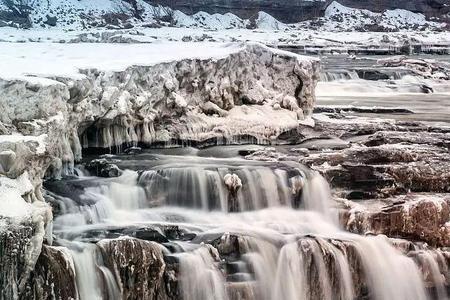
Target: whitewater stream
column 241, row 229
column 279, row 214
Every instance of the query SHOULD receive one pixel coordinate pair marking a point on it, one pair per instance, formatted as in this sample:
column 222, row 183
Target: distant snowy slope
column 266, row 21
column 121, row 14
column 82, row 14
column 205, row 20
column 341, row 18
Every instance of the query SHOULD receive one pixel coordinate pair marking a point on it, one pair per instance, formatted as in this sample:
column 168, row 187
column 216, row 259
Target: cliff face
column 299, row 10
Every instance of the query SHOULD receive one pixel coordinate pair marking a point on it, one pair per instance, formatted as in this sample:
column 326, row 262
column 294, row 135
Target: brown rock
column 419, row 217
column 137, row 265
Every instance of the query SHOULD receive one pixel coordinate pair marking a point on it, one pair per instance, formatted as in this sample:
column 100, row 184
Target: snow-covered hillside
column 119, row 14
column 85, row 14
column 341, row 18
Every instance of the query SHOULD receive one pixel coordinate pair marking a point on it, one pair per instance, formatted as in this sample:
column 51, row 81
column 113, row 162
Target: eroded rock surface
column 53, row 276
column 138, row 266
column 417, row 217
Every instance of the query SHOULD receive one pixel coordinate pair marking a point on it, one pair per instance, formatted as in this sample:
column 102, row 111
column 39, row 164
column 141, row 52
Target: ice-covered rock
column 104, row 109
column 233, row 184
column 23, row 222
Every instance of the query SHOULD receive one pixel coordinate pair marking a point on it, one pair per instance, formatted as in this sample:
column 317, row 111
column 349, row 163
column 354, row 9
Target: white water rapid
column 281, row 240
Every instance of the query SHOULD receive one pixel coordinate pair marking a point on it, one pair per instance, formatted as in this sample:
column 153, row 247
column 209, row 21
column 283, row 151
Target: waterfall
column 203, row 186
column 94, row 280
column 199, row 274
column 334, row 75
column 281, row 241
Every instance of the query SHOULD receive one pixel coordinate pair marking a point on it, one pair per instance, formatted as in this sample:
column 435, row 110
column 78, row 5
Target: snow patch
column 17, row 138
column 50, row 60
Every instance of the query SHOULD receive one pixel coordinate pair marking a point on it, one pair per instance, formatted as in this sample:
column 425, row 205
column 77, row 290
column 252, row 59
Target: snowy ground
column 49, row 60
column 340, row 28
column 290, row 37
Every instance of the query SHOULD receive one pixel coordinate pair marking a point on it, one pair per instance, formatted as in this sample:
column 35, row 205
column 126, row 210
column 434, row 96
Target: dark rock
column 14, row 245
column 138, row 267
column 372, row 110
column 52, row 277
column 187, row 38
column 155, row 234
column 103, row 168
column 150, row 235
column 51, row 21
column 372, row 75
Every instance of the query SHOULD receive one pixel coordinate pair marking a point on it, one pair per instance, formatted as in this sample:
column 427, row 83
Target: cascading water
column 269, row 233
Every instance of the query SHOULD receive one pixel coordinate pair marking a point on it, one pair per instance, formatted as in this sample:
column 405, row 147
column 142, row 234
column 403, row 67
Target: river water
column 349, row 81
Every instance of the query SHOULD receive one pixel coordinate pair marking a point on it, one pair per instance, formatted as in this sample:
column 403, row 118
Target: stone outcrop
column 137, row 265
column 414, row 217
column 53, row 276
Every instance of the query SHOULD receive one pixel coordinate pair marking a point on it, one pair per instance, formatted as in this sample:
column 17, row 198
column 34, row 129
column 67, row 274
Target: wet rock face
column 53, row 276
column 138, row 267
column 383, row 158
column 14, row 245
column 328, row 267
column 389, row 161
column 415, row 217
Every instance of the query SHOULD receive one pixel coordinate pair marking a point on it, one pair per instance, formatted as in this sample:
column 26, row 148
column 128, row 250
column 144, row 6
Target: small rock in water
column 233, row 184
